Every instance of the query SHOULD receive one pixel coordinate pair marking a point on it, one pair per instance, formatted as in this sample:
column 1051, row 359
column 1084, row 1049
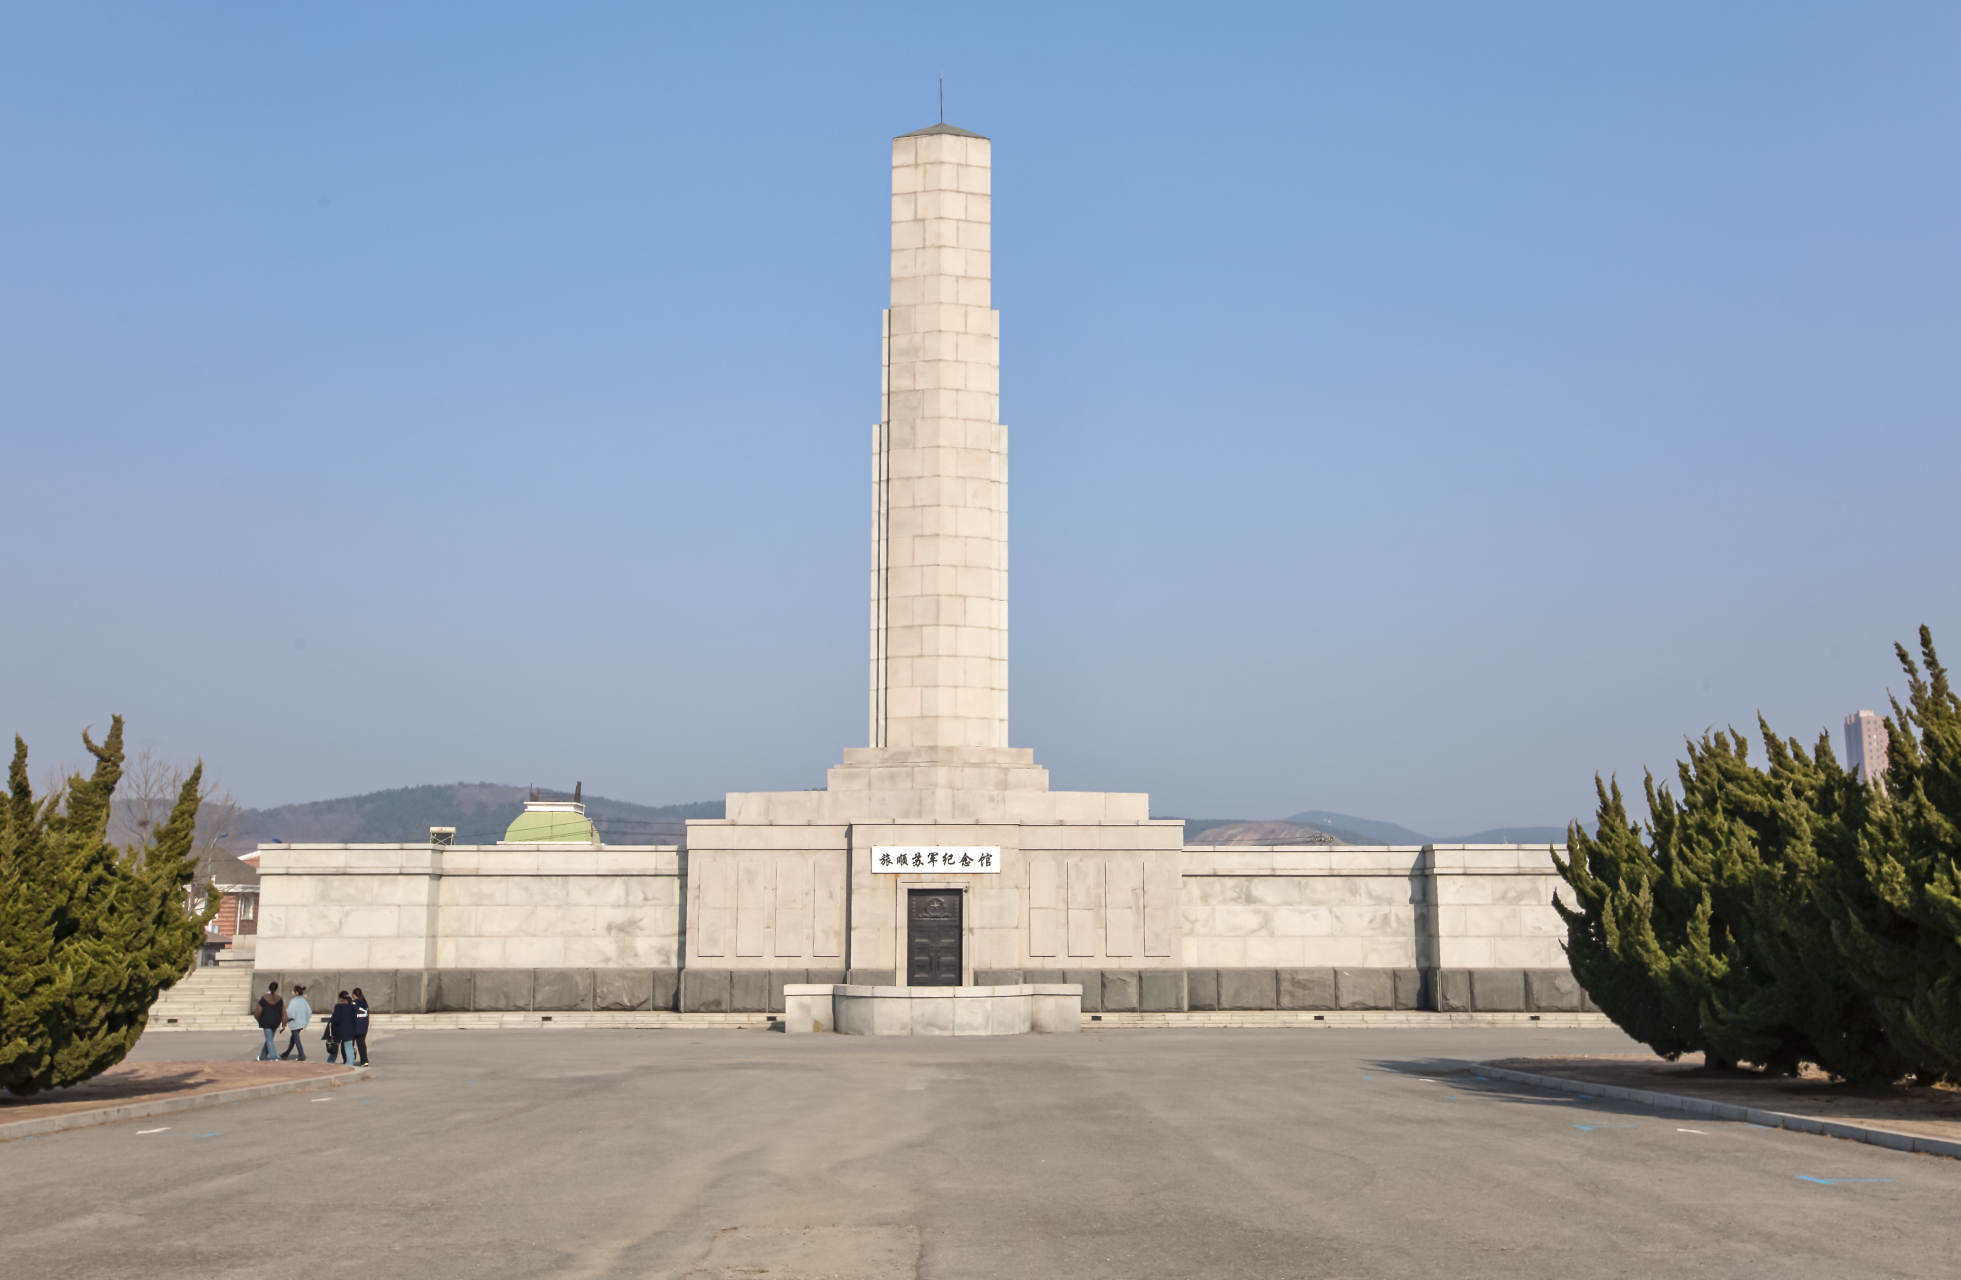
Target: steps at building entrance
column 210, row 998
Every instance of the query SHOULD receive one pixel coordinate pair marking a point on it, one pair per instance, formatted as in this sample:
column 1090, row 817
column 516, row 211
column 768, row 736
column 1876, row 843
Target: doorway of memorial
column 933, row 938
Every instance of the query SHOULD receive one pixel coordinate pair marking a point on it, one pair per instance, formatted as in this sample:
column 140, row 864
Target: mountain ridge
column 480, row 812
column 1349, row 829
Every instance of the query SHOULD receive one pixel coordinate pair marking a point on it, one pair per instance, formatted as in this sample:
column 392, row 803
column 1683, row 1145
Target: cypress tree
column 1636, row 915
column 1712, row 932
column 1771, row 842
column 1895, row 899
column 1785, row 915
column 89, row 934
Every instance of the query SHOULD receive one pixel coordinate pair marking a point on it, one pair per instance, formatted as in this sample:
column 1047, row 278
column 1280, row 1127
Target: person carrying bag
column 270, row 1014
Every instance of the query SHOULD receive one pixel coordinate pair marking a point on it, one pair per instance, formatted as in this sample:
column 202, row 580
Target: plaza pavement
column 1114, row 1153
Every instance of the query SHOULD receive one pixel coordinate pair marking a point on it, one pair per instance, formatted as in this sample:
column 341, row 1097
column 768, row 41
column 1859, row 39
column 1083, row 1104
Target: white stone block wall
column 774, row 895
column 341, row 907
column 1382, row 906
column 1490, row 906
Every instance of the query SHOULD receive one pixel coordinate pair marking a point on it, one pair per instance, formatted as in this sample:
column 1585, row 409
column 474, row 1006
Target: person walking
column 343, row 1027
column 270, row 1015
column 361, row 1025
column 298, row 1014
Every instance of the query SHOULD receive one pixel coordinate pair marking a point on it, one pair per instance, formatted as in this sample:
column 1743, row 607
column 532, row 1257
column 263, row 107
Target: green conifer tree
column 1769, row 841
column 1634, row 916
column 1784, row 915
column 89, row 934
column 1895, row 903
column 1711, row 932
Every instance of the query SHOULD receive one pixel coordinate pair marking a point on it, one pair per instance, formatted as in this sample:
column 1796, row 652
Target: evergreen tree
column 1785, row 915
column 1636, row 914
column 1895, row 905
column 1769, row 842
column 1711, row 932
column 89, row 934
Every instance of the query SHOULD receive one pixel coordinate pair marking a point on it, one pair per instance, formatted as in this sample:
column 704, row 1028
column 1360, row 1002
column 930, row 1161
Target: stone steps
column 212, row 998
column 192, row 1022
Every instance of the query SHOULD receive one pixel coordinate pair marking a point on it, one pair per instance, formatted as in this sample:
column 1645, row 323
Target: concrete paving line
column 1888, row 1138
column 168, row 1106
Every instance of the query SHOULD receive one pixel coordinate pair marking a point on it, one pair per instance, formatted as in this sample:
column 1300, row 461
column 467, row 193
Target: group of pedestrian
column 346, row 1037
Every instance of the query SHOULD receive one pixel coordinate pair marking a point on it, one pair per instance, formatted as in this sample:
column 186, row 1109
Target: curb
column 644, row 1020
column 169, row 1106
column 1750, row 1115
column 1274, row 1019
column 556, row 1019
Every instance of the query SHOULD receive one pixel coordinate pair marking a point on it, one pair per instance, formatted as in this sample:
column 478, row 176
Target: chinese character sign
column 959, row 860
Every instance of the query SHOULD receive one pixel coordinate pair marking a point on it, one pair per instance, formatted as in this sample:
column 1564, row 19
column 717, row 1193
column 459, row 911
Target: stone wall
column 547, row 927
column 1372, row 907
column 413, row 907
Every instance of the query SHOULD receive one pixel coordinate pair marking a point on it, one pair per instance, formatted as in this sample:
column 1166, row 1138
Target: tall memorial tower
column 936, row 852
column 940, row 460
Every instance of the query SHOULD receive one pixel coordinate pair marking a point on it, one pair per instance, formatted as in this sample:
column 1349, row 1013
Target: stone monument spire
column 939, row 599
column 824, row 881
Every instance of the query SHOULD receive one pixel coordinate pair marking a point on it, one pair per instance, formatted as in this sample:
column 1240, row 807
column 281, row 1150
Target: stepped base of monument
column 1021, row 1009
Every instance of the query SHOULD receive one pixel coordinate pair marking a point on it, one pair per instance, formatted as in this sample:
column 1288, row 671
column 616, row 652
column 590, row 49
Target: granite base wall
column 482, row 990
column 1104, row 990
column 1439, row 990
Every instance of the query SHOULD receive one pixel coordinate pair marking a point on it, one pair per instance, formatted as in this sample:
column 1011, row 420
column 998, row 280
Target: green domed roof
column 546, row 821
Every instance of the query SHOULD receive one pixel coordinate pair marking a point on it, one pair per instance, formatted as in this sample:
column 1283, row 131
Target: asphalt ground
column 1181, row 1153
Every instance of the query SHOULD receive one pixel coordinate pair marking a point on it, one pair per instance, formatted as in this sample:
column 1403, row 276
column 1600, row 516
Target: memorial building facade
column 936, row 854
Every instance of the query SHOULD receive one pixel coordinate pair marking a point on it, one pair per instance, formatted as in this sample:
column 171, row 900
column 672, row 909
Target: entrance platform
column 933, row 1011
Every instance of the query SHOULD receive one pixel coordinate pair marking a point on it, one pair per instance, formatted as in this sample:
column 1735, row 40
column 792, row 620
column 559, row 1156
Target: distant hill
column 1262, row 833
column 1515, row 835
column 1254, row 831
column 1346, row 828
column 1390, row 833
column 480, row 812
column 1370, row 830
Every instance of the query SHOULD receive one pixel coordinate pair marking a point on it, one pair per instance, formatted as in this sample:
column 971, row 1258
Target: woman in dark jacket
column 361, row 1025
column 344, row 1026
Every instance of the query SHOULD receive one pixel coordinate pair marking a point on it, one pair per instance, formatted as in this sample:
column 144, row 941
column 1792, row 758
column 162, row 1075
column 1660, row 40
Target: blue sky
column 1414, row 409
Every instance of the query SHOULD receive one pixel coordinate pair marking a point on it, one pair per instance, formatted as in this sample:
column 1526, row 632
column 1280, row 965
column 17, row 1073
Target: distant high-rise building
column 1865, row 746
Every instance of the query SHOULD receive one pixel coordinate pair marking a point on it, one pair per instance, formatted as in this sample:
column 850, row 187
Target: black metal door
column 933, row 938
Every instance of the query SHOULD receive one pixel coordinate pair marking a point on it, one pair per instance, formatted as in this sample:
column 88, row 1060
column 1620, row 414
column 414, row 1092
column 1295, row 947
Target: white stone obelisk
column 788, row 879
column 939, row 625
